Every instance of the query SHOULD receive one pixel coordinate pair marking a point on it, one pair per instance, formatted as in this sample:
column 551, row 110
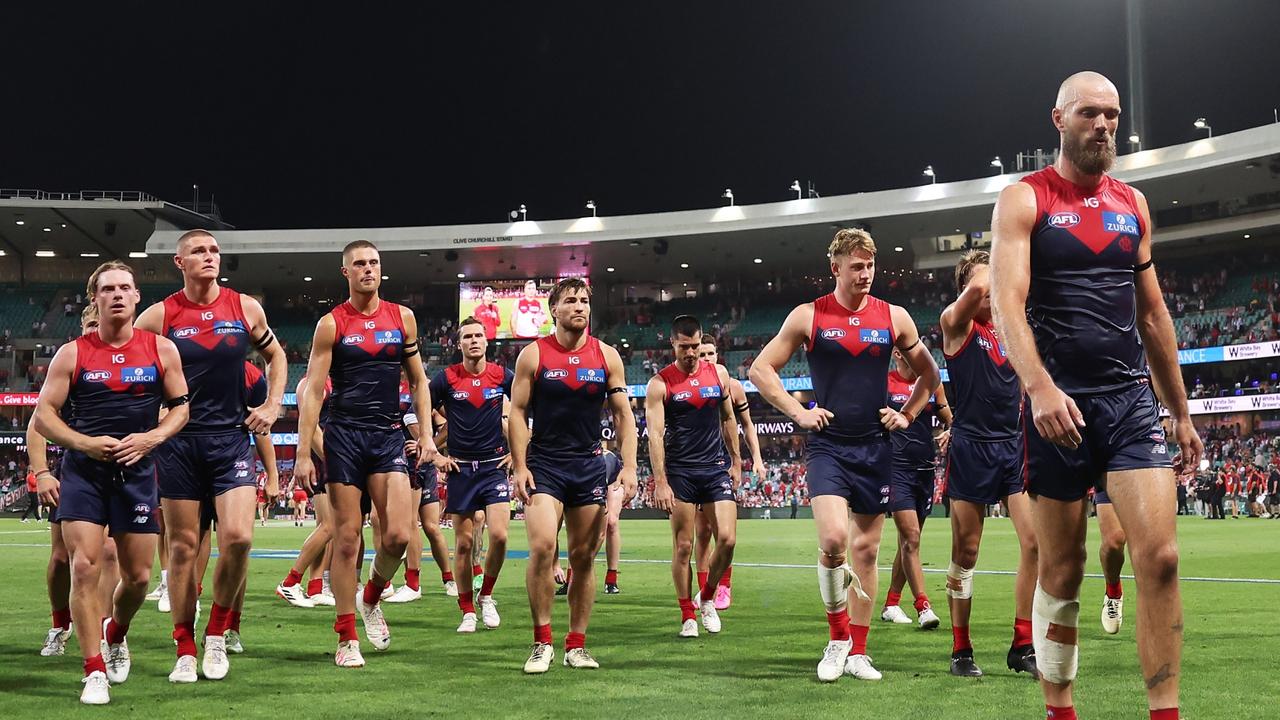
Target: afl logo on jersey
column 833, row 334
column 184, row 332
column 898, row 398
column 681, row 396
column 461, row 395
column 555, row 374
column 96, row 376
column 353, row 340
column 1064, row 220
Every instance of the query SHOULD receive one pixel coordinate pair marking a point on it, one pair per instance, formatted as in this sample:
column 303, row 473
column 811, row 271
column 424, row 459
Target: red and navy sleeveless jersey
column 849, row 354
column 255, row 385
column 213, row 341
column 116, row 391
column 568, row 394
column 473, row 407
column 367, row 351
column 1082, row 304
column 985, row 392
column 693, row 439
column 912, row 447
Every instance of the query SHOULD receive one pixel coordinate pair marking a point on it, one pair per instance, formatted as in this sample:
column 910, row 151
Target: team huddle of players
column 1059, row 400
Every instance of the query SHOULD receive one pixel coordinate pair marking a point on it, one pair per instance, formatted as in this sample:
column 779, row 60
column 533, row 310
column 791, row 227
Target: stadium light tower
column 929, row 173
column 522, row 212
column 795, row 188
column 1135, row 142
column 1202, row 124
column 591, row 205
column 728, row 195
column 998, row 164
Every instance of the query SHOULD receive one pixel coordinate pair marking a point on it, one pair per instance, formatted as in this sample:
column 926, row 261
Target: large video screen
column 509, row 309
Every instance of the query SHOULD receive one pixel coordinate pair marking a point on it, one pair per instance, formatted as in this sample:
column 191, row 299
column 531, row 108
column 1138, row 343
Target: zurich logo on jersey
column 491, row 393
column 555, row 374
column 710, row 392
column 227, row 327
column 184, row 332
column 681, row 396
column 1064, row 220
column 833, row 334
column 874, row 337
column 387, row 337
column 353, row 340
column 138, row 374
column 1120, row 223
column 96, row 376
column 591, row 375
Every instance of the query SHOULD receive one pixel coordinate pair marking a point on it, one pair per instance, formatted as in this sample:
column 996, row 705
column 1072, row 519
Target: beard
column 1090, row 159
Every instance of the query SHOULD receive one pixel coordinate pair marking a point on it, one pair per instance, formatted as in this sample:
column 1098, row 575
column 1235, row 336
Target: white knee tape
column 959, row 582
column 1053, row 631
column 834, row 584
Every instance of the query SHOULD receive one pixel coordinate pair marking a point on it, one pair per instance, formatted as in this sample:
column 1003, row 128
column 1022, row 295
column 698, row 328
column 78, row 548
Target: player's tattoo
column 1163, row 674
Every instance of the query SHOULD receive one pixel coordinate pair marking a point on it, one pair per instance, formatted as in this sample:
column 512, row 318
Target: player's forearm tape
column 742, row 409
column 616, row 390
column 912, row 345
column 385, row 565
column 959, row 582
column 264, row 341
column 1143, row 266
column 1054, row 631
column 178, row 401
column 834, row 584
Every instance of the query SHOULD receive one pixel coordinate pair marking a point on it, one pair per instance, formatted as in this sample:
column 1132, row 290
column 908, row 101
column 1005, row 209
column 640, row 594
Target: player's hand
column 134, row 447
column 272, row 490
column 100, row 448
column 262, row 418
column 304, row 471
column 446, row 464
column 627, row 476
column 1190, row 447
column 892, row 420
column 1056, row 416
column 814, row 419
column 48, row 488
column 759, row 468
column 735, row 474
column 426, row 451
column 505, row 463
column 411, row 448
column 522, row 483
column 944, row 441
column 663, row 498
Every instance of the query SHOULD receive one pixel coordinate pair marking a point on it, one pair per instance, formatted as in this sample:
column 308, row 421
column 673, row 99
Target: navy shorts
column 201, row 467
column 352, row 454
column 575, row 482
column 984, row 472
column 911, row 489
column 476, row 486
column 1100, row 497
column 858, row 472
column 123, row 499
column 701, row 486
column 426, row 479
column 1122, row 432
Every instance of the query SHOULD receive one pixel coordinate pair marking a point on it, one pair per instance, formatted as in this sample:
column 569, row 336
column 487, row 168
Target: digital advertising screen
column 509, row 309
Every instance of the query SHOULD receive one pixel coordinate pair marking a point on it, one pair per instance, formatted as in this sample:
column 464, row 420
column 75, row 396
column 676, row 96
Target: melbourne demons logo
column 353, row 340
column 96, row 376
column 1064, row 220
column 555, row 374
column 184, row 332
column 833, row 334
column 683, row 395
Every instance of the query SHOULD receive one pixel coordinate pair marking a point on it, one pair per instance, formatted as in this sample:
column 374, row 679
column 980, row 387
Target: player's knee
column 611, row 526
column 497, row 538
column 965, row 554
column 462, row 548
column 59, row 558
column 833, row 543
column 909, row 541
column 234, row 542
column 727, row 539
column 863, row 551
column 84, row 569
column 1054, row 622
column 1159, row 564
column 1030, row 548
column 683, row 549
column 542, row 550
column 581, row 558
column 135, row 579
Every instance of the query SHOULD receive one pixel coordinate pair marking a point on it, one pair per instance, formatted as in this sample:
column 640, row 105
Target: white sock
column 164, row 578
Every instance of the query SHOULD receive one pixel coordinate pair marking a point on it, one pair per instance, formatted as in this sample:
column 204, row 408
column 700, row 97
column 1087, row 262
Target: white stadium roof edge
column 1206, row 169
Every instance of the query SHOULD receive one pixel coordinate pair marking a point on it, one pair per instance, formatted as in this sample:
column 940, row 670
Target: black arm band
column 264, row 342
column 742, row 409
column 409, row 352
column 615, row 390
column 1143, row 266
column 908, row 348
column 177, row 402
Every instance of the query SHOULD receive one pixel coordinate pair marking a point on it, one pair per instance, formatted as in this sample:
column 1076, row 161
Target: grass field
column 762, row 664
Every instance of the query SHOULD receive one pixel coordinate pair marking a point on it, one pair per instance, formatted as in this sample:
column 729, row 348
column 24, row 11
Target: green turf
column 762, row 664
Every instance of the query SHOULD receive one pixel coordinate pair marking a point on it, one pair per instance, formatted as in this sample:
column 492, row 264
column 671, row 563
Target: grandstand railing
column 88, row 195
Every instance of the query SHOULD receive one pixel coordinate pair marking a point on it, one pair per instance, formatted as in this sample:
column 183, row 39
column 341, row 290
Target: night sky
column 362, row 115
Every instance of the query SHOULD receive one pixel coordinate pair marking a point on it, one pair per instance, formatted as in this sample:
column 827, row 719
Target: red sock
column 839, row 624
column 486, row 587
column 858, row 633
column 446, row 576
column 706, row 592
column 373, row 590
column 315, row 586
column 960, row 638
column 476, row 571
column 411, row 578
column 574, row 640
column 1114, row 591
column 62, row 618
column 217, row 621
column 345, row 626
column 185, row 635
column 727, row 577
column 1060, row 713
column 1165, row 714
column 568, row 575
column 200, row 589
column 611, row 577
column 97, row 664
column 466, row 602
column 922, row 602
column 542, row 633
column 892, row 598
column 702, row 578
column 115, row 632
column 292, row 579
column 233, row 620
column 687, row 611
column 1021, row 632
